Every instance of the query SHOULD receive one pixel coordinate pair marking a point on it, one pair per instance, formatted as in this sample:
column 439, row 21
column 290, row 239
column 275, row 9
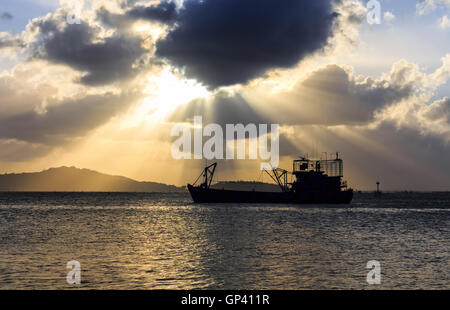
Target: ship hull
column 208, row 195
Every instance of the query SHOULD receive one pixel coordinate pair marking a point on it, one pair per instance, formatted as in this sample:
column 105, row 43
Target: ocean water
column 164, row 241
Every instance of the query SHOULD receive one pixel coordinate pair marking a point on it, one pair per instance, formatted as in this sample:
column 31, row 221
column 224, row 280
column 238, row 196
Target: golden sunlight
column 167, row 91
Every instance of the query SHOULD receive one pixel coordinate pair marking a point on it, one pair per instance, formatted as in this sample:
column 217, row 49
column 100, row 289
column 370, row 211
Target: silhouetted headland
column 71, row 179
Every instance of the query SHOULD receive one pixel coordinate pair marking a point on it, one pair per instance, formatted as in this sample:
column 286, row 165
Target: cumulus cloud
column 9, row 41
column 432, row 118
column 65, row 119
column 37, row 110
column 350, row 15
column 16, row 151
column 333, row 95
column 389, row 17
column 116, row 20
column 444, row 22
column 330, row 95
column 45, row 102
column 164, row 12
column 19, row 97
column 427, row 6
column 226, row 42
column 439, row 110
column 102, row 59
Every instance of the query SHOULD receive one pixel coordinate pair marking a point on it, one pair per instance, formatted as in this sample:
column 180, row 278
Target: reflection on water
column 163, row 241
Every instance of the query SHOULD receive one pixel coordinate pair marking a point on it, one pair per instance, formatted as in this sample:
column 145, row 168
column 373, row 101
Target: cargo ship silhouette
column 317, row 181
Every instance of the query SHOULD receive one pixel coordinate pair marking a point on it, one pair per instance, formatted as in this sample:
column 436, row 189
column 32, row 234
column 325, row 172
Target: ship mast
column 207, row 174
column 280, row 177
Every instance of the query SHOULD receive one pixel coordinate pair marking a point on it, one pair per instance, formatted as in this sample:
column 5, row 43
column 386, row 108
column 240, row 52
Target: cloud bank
column 226, row 42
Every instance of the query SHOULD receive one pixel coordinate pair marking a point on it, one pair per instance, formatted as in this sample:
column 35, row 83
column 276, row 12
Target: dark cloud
column 6, row 16
column 333, row 96
column 17, row 151
column 115, row 20
column 78, row 46
column 11, row 42
column 327, row 96
column 225, row 42
column 439, row 110
column 64, row 120
column 164, row 12
column 18, row 97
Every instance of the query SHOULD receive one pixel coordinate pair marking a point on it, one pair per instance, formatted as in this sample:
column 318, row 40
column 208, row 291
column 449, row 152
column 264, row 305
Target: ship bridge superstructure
column 330, row 167
column 318, row 174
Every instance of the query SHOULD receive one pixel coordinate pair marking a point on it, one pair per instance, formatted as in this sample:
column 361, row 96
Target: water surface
column 164, row 241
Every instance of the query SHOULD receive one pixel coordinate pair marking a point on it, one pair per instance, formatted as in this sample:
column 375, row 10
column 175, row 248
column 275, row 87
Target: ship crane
column 280, row 177
column 316, row 182
column 208, row 174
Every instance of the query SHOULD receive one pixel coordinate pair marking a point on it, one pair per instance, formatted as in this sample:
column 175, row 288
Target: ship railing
column 332, row 168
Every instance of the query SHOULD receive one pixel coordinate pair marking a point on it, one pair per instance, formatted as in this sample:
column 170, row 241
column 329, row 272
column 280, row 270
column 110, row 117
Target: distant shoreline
column 76, row 180
column 182, row 190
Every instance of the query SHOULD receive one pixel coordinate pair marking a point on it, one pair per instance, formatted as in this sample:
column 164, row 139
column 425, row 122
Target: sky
column 105, row 93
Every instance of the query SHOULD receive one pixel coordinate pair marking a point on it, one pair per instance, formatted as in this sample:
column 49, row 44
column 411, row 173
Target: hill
column 71, row 179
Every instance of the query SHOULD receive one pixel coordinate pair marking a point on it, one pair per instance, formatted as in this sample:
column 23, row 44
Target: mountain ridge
column 72, row 179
